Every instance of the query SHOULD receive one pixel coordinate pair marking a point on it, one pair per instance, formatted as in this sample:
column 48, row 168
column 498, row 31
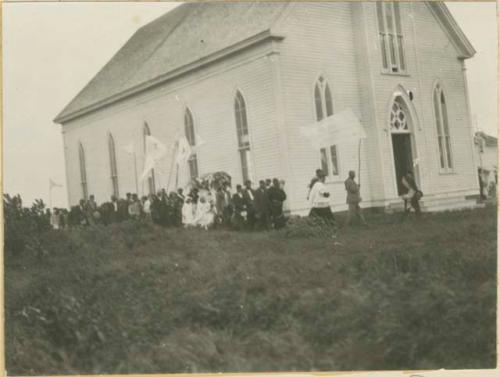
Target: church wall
column 430, row 56
column 209, row 94
column 336, row 40
column 319, row 41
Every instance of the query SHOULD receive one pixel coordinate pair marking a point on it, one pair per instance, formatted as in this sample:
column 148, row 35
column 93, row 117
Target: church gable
column 187, row 34
column 450, row 27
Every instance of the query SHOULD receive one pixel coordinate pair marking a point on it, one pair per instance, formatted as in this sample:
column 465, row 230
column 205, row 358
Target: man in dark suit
column 276, row 197
column 239, row 209
column 249, row 196
column 262, row 206
column 353, row 199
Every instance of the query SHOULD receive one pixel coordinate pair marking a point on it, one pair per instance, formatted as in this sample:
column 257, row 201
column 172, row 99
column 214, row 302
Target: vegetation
column 136, row 298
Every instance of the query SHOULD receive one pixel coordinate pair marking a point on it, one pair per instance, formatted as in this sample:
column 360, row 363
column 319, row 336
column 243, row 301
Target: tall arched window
column 391, row 37
column 240, row 114
column 112, row 166
column 151, row 178
column 83, row 172
column 443, row 131
column 323, row 99
column 191, row 138
column 323, row 104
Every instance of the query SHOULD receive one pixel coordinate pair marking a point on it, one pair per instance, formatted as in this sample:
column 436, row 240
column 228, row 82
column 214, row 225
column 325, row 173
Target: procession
column 211, row 203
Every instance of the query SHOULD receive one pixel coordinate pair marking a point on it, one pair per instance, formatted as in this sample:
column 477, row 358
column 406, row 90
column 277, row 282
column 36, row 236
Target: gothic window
column 391, row 37
column 243, row 136
column 399, row 120
column 83, row 172
column 443, row 131
column 151, row 177
column 191, row 138
column 112, row 165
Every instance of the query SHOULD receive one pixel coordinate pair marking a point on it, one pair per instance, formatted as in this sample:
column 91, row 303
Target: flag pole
column 174, row 151
column 359, row 161
column 135, row 174
column 176, row 176
column 50, row 195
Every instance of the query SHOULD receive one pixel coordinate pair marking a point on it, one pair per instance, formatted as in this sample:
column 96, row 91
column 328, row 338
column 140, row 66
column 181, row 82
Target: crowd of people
column 247, row 208
column 208, row 206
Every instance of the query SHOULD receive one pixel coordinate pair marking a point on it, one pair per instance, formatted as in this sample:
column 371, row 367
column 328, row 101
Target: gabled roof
column 194, row 34
column 186, row 34
column 451, row 27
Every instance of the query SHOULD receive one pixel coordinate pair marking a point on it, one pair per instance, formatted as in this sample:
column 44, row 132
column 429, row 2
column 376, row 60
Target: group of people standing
column 247, row 208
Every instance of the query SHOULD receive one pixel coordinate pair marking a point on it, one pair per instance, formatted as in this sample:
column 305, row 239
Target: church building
column 246, row 77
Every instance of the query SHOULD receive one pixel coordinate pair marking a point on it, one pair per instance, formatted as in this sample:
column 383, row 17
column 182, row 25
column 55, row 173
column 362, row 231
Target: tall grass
column 132, row 298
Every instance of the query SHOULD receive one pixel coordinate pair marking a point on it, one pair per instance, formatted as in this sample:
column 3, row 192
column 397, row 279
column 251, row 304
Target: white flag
column 183, row 151
column 338, row 128
column 199, row 143
column 155, row 151
column 54, row 184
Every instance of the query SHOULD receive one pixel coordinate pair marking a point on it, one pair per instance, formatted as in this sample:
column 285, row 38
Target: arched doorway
column 400, row 125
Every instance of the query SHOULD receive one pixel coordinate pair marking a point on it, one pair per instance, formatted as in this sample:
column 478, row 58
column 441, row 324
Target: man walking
column 319, row 198
column 353, row 199
column 412, row 196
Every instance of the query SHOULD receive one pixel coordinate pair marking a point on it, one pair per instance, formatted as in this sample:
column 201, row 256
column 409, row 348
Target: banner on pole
column 155, row 151
column 184, row 151
column 338, row 128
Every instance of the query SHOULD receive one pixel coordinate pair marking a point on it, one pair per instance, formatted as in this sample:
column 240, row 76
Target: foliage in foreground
column 132, row 298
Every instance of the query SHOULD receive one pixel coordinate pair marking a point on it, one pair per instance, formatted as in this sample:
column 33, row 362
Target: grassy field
column 135, row 298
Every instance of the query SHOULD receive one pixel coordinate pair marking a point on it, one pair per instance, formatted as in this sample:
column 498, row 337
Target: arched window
column 112, row 166
column 322, row 99
column 323, row 104
column 391, row 37
column 191, row 138
column 240, row 114
column 151, row 178
column 443, row 131
column 83, row 172
column 399, row 120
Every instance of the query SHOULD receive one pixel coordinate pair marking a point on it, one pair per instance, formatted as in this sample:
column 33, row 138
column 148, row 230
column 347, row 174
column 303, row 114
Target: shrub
column 23, row 226
column 308, row 227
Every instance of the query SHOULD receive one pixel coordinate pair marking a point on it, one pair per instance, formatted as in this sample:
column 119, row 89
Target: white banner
column 155, row 151
column 183, row 151
column 338, row 128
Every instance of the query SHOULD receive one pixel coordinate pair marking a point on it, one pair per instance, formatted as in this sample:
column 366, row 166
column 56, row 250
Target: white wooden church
column 246, row 77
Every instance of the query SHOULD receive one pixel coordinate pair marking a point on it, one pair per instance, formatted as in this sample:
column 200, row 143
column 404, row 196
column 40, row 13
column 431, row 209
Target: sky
column 51, row 50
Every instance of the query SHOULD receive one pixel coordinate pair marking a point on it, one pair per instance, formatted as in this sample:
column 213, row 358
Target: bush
column 23, row 226
column 308, row 227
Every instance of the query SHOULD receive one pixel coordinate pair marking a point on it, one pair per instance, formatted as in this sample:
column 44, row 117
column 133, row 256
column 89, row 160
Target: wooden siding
column 209, row 93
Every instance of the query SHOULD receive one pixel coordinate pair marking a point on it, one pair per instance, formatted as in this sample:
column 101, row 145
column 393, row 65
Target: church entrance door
column 403, row 160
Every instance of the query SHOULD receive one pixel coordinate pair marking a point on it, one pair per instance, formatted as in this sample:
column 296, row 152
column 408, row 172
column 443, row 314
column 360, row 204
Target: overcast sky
column 51, row 50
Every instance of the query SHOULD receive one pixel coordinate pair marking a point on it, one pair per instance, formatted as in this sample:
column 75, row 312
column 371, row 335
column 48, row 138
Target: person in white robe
column 188, row 219
column 205, row 214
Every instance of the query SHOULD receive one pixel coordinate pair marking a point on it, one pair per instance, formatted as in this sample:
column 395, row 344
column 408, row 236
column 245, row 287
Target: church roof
column 186, row 34
column 190, row 35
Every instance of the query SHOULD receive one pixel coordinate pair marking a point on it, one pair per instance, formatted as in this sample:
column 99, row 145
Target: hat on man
column 320, row 173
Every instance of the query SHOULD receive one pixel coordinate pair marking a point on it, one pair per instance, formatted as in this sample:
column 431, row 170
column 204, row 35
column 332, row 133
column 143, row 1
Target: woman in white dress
column 205, row 214
column 187, row 213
